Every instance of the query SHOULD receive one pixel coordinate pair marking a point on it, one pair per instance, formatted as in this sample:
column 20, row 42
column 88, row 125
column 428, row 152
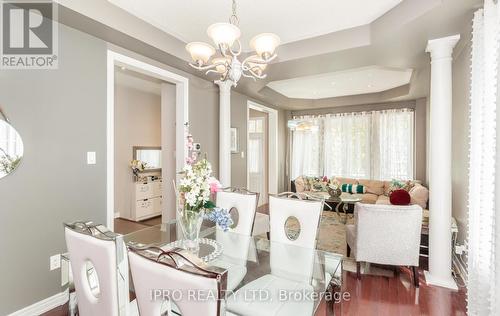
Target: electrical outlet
column 55, row 262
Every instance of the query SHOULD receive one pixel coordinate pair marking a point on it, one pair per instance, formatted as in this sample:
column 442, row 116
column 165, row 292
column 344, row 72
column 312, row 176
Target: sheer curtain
column 363, row 145
column 483, row 281
column 307, row 149
column 393, row 144
column 347, row 145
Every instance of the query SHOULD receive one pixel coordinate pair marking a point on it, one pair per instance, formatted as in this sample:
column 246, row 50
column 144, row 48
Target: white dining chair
column 242, row 205
column 287, row 208
column 292, row 258
column 386, row 234
column 98, row 260
column 174, row 279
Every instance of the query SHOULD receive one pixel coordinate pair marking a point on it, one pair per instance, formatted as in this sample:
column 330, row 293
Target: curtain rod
column 353, row 113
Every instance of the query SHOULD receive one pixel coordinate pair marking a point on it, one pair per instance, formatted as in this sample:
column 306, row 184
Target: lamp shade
column 200, row 51
column 224, row 33
column 265, row 44
column 219, row 60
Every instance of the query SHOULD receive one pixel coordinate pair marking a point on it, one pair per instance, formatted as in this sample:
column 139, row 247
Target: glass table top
column 249, row 259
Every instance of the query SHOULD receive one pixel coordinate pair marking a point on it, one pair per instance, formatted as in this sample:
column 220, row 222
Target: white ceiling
column 291, row 20
column 342, row 83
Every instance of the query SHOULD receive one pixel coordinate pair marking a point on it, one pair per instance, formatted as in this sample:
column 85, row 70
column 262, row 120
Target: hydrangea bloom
column 221, row 217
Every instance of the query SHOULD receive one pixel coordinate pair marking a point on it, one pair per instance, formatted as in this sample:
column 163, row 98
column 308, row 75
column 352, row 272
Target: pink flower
column 215, row 185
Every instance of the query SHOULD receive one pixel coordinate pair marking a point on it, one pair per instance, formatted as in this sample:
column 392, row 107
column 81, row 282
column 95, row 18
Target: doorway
column 174, row 116
column 262, row 150
column 258, row 157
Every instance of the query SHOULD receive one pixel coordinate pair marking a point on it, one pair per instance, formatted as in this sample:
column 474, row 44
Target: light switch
column 55, row 262
column 91, row 158
column 242, row 155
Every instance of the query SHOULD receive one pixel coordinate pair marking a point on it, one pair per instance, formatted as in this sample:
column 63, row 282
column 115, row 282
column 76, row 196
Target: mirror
column 11, row 148
column 150, row 156
column 292, row 228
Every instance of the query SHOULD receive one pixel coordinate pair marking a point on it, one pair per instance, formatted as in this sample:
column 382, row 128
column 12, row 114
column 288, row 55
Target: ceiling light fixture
column 226, row 63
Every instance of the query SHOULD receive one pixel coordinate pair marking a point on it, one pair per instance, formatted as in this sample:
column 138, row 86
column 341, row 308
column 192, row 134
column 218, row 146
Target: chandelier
column 226, row 63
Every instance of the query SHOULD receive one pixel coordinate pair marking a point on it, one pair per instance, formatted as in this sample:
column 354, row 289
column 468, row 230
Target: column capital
column 442, row 47
column 225, row 85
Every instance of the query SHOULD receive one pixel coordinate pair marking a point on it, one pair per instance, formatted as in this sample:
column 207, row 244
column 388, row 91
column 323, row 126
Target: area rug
column 332, row 236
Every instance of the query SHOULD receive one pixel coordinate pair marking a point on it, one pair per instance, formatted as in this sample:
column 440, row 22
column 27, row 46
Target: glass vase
column 190, row 222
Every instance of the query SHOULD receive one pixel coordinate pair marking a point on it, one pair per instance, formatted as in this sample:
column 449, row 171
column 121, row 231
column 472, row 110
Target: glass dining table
column 247, row 259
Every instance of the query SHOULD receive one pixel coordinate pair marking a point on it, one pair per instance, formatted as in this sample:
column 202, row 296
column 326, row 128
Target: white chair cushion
column 272, row 305
column 387, row 234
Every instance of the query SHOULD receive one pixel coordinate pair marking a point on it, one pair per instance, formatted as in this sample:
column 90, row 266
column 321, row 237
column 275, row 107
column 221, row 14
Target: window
column 366, row 145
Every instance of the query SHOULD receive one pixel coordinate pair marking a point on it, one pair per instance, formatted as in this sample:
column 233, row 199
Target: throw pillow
column 400, row 184
column 400, row 197
column 300, row 184
column 353, row 188
column 419, row 195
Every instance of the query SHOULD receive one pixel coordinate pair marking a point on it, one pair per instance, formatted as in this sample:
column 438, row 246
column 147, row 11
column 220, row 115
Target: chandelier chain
column 233, row 19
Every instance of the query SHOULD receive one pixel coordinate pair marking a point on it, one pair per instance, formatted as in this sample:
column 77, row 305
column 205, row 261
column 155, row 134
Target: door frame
column 181, row 118
column 272, row 143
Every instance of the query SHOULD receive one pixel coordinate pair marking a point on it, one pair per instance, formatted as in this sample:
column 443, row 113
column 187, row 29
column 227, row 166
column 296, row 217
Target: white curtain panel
column 393, row 144
column 307, row 150
column 347, row 145
column 363, row 145
column 483, row 234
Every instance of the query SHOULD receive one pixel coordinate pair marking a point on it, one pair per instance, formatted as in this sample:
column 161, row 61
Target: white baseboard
column 117, row 215
column 43, row 306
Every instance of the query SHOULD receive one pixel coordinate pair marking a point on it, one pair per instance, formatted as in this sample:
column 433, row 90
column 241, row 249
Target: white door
column 257, row 157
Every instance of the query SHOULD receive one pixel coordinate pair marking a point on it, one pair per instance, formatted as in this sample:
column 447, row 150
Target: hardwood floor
column 394, row 296
column 125, row 226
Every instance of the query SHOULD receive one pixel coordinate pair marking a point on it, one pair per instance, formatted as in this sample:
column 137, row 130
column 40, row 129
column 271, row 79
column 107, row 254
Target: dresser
column 146, row 200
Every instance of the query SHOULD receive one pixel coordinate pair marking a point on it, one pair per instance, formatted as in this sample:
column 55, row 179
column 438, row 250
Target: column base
column 448, row 283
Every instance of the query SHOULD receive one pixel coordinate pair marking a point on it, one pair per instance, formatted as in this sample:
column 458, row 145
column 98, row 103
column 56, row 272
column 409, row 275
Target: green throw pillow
column 353, row 188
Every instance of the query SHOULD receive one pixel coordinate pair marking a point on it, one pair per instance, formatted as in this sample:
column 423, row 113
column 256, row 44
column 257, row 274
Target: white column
column 225, row 132
column 440, row 249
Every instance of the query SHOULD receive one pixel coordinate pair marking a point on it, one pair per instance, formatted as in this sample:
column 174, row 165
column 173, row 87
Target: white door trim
column 182, row 117
column 272, row 144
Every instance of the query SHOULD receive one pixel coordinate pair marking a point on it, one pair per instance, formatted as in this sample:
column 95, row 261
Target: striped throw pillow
column 354, row 188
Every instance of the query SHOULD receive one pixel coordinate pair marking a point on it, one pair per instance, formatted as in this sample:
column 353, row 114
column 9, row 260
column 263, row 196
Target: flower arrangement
column 137, row 166
column 197, row 190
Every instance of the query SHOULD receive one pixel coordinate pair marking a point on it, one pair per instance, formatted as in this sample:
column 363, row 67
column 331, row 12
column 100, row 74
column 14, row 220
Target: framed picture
column 234, row 140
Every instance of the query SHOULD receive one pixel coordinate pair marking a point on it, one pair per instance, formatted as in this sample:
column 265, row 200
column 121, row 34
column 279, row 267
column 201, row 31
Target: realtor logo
column 29, row 35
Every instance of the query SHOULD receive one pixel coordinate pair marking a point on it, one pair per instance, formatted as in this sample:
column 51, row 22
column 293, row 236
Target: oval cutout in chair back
column 292, row 228
column 235, row 216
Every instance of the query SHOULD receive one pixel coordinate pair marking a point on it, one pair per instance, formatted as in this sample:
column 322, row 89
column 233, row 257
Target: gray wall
column 137, row 123
column 60, row 115
column 239, row 104
column 460, row 137
column 420, row 126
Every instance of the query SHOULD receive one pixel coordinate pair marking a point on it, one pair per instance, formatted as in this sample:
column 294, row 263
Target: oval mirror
column 292, row 228
column 11, row 149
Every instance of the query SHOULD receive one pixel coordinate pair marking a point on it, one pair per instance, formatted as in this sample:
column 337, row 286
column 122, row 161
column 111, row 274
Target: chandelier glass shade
column 225, row 62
